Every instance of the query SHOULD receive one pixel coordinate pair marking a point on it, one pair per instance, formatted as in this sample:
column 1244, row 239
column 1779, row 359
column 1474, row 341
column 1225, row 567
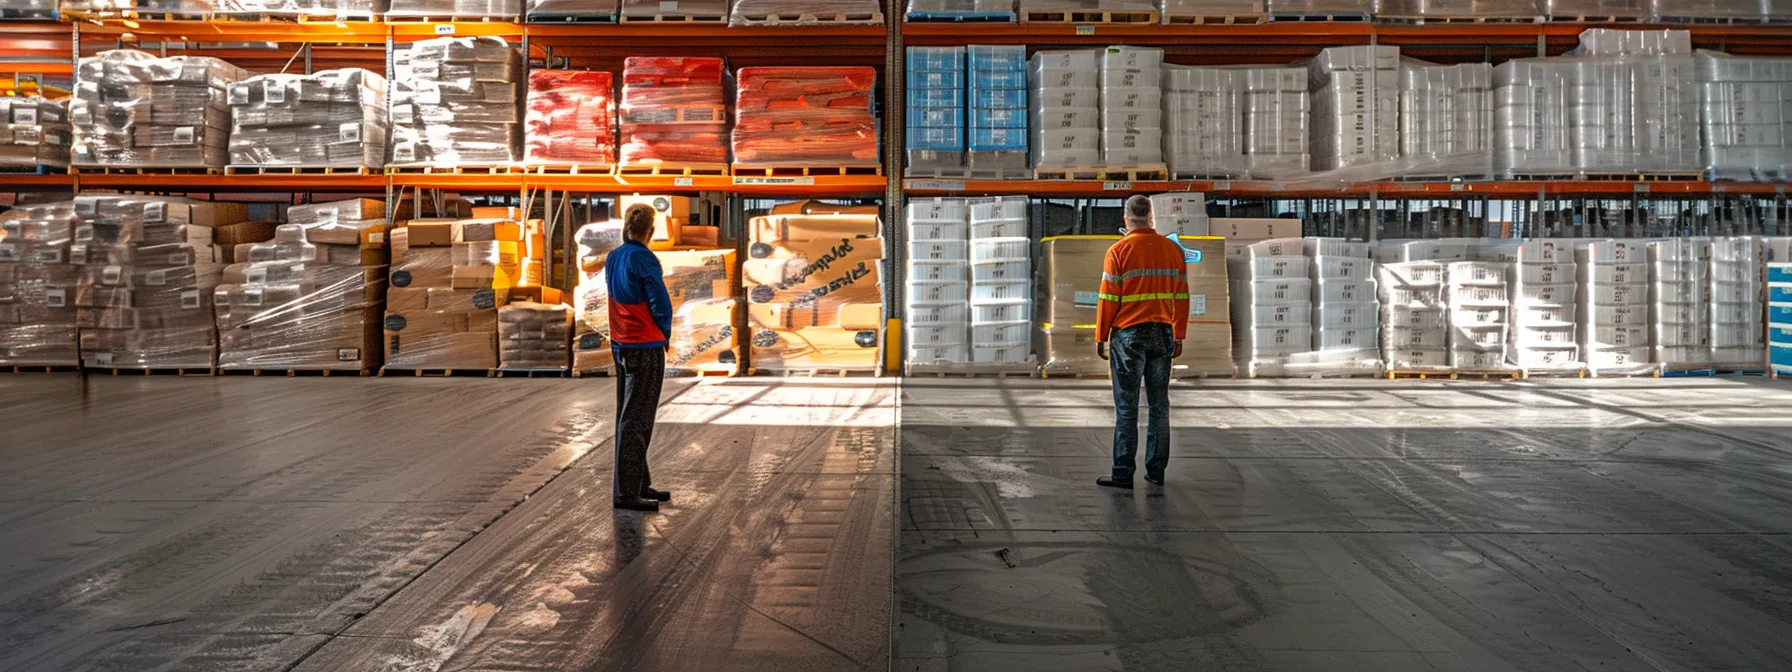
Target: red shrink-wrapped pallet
column 803, row 117
column 571, row 119
column 673, row 112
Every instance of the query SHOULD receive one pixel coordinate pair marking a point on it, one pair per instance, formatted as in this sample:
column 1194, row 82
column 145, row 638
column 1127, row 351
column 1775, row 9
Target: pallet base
column 669, row 170
column 121, row 170
column 1404, row 374
column 151, row 371
column 1707, row 372
column 591, row 373
column 1644, row 177
column 503, row 372
column 1423, row 20
column 570, row 169
column 673, row 18
column 570, row 18
column 961, row 17
column 296, row 373
column 814, row 373
column 1319, row 18
column 1221, row 20
column 1089, row 17
column 873, row 18
column 301, row 170
column 40, row 368
column 701, row 373
column 1076, row 376
column 449, row 19
column 1553, row 373
column 804, row 171
column 388, row 372
column 1138, row 174
column 1596, row 18
column 453, row 170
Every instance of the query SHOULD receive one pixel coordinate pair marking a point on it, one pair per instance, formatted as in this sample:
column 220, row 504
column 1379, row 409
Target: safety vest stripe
column 1131, row 298
column 1110, row 297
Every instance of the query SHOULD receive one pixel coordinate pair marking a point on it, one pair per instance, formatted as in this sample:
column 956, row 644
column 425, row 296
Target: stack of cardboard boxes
column 449, row 278
column 591, row 297
column 311, row 297
column 34, row 131
column 535, row 335
column 571, row 119
column 1069, row 289
column 37, row 286
column 334, row 118
column 701, row 284
column 454, row 102
column 814, row 286
column 131, row 108
column 147, row 271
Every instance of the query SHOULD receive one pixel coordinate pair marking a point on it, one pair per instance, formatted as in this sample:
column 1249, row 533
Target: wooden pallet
column 591, row 373
column 533, row 17
column 300, row 170
column 1710, row 20
column 1446, row 178
column 1644, row 177
column 453, row 170
column 357, row 17
column 570, row 169
column 873, row 18
column 296, row 373
column 1066, row 174
column 40, row 368
column 1705, row 372
column 702, row 373
column 673, row 170
column 1446, row 374
column 915, row 173
column 121, row 170
column 960, row 17
column 929, row 371
column 1319, row 18
column 449, row 19
column 804, row 171
column 151, row 371
column 1076, row 376
column 1220, row 20
column 1133, row 174
column 1423, row 20
column 1207, row 177
column 814, row 373
column 506, row 372
column 1031, row 16
column 674, row 18
column 1596, row 18
column 388, row 371
column 1577, row 372
column 1543, row 177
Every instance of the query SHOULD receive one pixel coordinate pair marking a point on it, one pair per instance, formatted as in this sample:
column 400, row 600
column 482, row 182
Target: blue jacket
column 640, row 308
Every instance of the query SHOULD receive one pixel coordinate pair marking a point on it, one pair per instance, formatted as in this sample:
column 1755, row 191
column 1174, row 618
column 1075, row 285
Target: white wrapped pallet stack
column 937, row 290
column 1545, row 311
column 1480, row 302
column 1612, row 295
column 1746, row 107
column 1530, row 118
column 1066, row 110
column 1272, row 305
column 1132, row 113
column 132, row 109
column 1203, row 117
column 1180, row 213
column 1415, row 320
column 1346, row 318
column 1634, row 104
column 333, row 119
column 1737, row 333
column 1277, row 108
column 1001, row 284
column 1446, row 120
column 1679, row 276
column 1356, row 110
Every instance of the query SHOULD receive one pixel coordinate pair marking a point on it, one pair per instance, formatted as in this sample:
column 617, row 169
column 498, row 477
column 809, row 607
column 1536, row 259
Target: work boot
column 635, row 504
column 1109, row 482
column 1154, row 480
column 656, row 495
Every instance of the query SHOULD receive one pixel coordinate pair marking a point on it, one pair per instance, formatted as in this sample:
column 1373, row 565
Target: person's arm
column 1181, row 312
column 1107, row 306
column 659, row 302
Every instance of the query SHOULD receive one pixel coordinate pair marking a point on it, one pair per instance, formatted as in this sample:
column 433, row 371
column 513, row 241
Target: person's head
column 637, row 223
column 1138, row 213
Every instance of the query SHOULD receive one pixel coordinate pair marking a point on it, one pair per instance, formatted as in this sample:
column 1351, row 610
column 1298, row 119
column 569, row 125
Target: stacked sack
column 147, row 273
column 815, row 292
column 454, row 102
column 310, row 298
column 535, row 335
column 672, row 112
column 591, row 297
column 134, row 109
column 571, row 119
column 805, row 117
column 37, row 286
column 334, row 118
column 701, row 285
column 34, row 131
column 449, row 277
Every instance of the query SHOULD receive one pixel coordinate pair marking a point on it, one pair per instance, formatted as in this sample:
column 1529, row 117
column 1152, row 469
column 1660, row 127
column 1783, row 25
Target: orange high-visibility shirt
column 1143, row 281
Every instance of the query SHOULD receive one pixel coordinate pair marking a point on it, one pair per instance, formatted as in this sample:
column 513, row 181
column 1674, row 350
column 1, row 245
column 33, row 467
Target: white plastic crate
column 1347, row 339
column 1618, row 295
column 1734, row 272
column 1002, row 332
column 931, row 291
column 1000, row 249
column 1613, row 358
column 1541, row 358
column 1605, row 338
column 1343, row 268
column 1550, row 337
column 1735, row 292
column 938, row 334
column 1000, row 353
column 1279, row 267
column 1464, row 273
column 1545, row 317
column 1478, row 336
column 1279, row 315
column 1478, row 295
column 1410, row 274
column 952, row 354
column 1675, row 292
column 937, row 230
column 1347, row 315
column 1399, row 338
column 936, row 209
column 1000, row 270
column 936, row 313
column 1000, row 291
column 1735, row 313
column 939, row 271
column 1676, row 313
column 1493, row 359
column 1547, row 295
column 1412, row 296
column 1735, row 338
column 1625, row 274
column 1546, row 274
column 999, row 228
column 1268, row 292
column 1485, row 315
column 1417, row 358
column 999, row 208
column 1345, row 291
column 1625, row 315
column 1411, row 318
column 1001, row 311
column 1278, row 340
column 937, row 250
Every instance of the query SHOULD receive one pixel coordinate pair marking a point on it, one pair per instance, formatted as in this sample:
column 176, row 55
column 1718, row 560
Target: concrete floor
column 427, row 524
column 1351, row 525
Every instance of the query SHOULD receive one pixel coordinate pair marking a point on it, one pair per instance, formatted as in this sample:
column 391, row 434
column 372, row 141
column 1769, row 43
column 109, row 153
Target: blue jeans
column 1141, row 352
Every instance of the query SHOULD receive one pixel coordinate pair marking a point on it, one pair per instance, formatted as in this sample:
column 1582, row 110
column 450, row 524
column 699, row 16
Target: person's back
column 1143, row 315
column 640, row 328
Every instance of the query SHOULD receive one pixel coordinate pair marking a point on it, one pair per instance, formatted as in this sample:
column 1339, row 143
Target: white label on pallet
column 239, row 94
column 111, row 275
column 24, row 115
column 155, row 213
column 184, row 135
column 444, row 29
column 155, row 278
column 56, row 298
column 1197, row 304
column 1116, row 186
column 274, row 92
column 190, row 299
column 350, row 132
column 668, row 5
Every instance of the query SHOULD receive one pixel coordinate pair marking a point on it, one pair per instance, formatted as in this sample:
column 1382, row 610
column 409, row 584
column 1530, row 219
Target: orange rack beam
column 1097, row 189
column 210, row 183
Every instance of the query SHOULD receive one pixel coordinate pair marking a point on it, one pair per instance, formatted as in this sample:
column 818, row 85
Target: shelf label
column 937, row 185
column 1222, row 185
column 1116, row 186
column 773, row 181
column 444, row 29
column 1642, row 188
column 1458, row 186
column 1085, row 30
column 683, row 182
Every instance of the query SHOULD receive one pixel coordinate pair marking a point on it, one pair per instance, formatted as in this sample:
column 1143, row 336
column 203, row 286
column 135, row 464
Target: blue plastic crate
column 937, row 139
column 936, row 79
column 936, row 59
column 1779, row 292
column 935, row 117
column 1008, row 58
column 1779, row 334
column 1007, row 117
column 1780, row 356
column 1778, row 272
column 998, row 98
column 998, row 139
column 998, row 79
column 1779, row 313
column 935, row 98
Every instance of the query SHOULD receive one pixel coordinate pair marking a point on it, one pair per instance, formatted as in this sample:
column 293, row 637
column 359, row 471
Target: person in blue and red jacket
column 640, row 326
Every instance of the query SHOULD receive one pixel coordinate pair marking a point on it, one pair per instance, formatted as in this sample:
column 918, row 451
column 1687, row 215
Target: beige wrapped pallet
column 37, row 286
column 704, row 338
column 591, row 298
column 814, row 285
column 1070, row 284
column 449, row 278
column 309, row 299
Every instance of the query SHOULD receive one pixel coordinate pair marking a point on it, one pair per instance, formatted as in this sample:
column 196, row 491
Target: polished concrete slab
column 238, row 523
column 1351, row 525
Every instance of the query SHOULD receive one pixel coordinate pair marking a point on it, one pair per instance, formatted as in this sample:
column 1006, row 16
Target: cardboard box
column 429, row 233
column 404, row 300
column 463, row 300
column 366, row 234
column 1237, row 228
column 816, row 348
column 538, row 294
column 336, row 212
column 243, row 232
column 487, row 230
column 806, row 235
column 480, row 277
column 411, row 350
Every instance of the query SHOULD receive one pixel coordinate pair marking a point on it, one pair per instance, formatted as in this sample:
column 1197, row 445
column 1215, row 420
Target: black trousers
column 639, row 374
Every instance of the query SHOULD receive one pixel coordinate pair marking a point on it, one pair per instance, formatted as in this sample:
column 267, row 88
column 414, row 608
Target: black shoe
column 635, row 504
column 1109, row 482
column 656, row 495
column 1159, row 480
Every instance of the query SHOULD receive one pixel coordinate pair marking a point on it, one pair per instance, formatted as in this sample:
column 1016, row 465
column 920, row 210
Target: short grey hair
column 1138, row 211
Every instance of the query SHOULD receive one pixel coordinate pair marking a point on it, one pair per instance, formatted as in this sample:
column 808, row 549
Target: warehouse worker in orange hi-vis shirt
column 1139, row 326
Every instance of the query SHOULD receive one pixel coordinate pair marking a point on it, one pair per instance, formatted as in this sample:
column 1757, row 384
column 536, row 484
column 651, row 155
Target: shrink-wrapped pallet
column 1597, row 10
column 1001, row 286
column 570, row 119
column 935, row 115
column 1415, row 318
column 34, row 131
column 38, row 286
column 1746, row 109
column 456, row 9
column 785, row 12
column 552, row 10
column 1735, row 304
column 997, row 113
column 1458, row 9
column 958, row 10
column 1277, row 107
column 1065, row 109
column 28, row 9
column 320, row 9
column 1203, row 122
column 1191, row 9
column 1359, row 9
column 1356, row 111
column 1054, row 9
column 591, row 350
column 334, row 119
column 310, row 298
column 937, row 289
column 1132, row 110
column 672, row 113
column 1446, row 120
column 1545, row 309
column 534, row 336
column 132, row 109
column 801, row 117
column 454, row 103
column 1612, row 297
column 1531, row 117
column 814, row 286
column 708, row 11
column 1679, row 312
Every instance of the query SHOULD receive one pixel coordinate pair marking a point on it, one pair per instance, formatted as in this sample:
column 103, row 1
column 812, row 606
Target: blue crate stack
column 998, row 114
column 935, row 117
column 1779, row 305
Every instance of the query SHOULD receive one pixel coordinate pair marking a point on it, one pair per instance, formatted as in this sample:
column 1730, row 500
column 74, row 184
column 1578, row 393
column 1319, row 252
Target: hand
column 1101, row 350
column 1176, row 352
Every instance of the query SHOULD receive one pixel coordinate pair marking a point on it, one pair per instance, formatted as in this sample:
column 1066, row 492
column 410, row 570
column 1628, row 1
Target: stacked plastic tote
column 1415, row 318
column 673, row 114
column 132, row 109
column 570, row 119
column 799, row 117
column 1446, row 120
column 147, row 273
column 311, row 298
column 1066, row 110
column 1735, row 303
column 1132, row 113
column 1356, row 110
column 1779, row 305
column 456, row 9
column 1001, row 283
column 937, row 294
column 1276, row 106
column 1203, row 119
column 776, row 12
column 38, row 286
column 454, row 102
column 1530, row 118
column 1747, row 112
column 707, row 10
column 1612, row 297
column 1478, row 294
column 1354, row 8
column 959, row 10
column 998, row 112
column 1346, row 320
column 814, row 286
column 1272, row 307
column 1698, row 11
column 1678, row 311
column 703, row 338
column 34, row 132
column 334, row 118
column 1634, row 106
column 935, row 118
column 1183, row 213
column 1545, row 308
